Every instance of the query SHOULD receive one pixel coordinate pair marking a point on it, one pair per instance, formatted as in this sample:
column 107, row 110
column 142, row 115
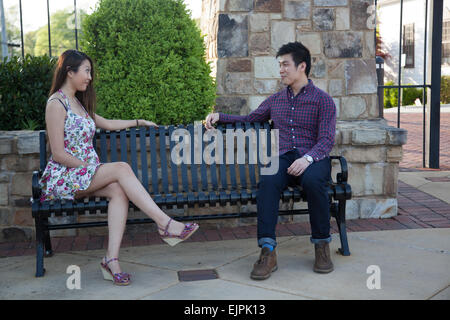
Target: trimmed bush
column 390, row 95
column 411, row 94
column 150, row 61
column 24, row 87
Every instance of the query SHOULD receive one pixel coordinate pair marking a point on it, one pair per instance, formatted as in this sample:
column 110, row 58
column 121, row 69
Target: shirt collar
column 303, row 89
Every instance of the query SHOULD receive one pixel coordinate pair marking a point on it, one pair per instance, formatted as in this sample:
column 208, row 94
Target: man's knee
column 312, row 182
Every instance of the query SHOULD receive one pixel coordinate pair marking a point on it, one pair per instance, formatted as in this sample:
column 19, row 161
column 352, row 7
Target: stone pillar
column 19, row 157
column 242, row 38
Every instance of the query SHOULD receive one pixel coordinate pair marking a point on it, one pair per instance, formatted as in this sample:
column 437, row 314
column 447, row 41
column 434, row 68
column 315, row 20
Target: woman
column 74, row 170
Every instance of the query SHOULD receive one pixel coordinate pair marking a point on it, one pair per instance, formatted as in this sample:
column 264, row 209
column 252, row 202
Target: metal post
column 400, row 64
column 49, row 37
column 435, row 84
column 21, row 30
column 380, row 75
column 4, row 39
column 424, row 82
column 76, row 25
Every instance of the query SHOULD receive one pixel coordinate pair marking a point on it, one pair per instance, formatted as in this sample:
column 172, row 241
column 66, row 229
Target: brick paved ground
column 412, row 151
column 416, row 208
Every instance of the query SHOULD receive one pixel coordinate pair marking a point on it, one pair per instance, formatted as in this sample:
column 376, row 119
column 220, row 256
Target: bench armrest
column 35, row 185
column 342, row 176
column 341, row 189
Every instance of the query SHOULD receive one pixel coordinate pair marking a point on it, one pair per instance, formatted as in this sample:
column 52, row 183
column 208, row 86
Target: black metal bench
column 172, row 185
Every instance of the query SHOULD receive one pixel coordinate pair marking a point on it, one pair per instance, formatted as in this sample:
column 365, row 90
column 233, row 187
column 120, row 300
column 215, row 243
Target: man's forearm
column 231, row 118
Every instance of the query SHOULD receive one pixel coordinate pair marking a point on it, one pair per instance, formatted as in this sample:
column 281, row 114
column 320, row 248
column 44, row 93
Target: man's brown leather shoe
column 266, row 264
column 323, row 262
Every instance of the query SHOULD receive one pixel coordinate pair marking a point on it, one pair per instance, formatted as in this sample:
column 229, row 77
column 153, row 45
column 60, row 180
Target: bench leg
column 48, row 244
column 39, row 247
column 340, row 219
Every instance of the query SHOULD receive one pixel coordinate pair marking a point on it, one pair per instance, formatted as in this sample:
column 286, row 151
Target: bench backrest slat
column 222, row 165
column 42, row 150
column 193, row 166
column 184, row 175
column 163, row 159
column 133, row 151
column 103, row 147
column 113, row 146
column 173, row 166
column 242, row 171
column 154, row 162
column 251, row 167
column 203, row 168
column 231, row 167
column 143, row 147
column 123, row 146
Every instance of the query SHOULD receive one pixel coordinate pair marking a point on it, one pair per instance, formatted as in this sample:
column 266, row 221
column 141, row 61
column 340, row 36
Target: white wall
column 389, row 25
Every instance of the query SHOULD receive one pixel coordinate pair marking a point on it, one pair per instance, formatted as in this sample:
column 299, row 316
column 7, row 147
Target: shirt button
column 290, row 120
column 292, row 108
column 292, row 129
column 293, row 137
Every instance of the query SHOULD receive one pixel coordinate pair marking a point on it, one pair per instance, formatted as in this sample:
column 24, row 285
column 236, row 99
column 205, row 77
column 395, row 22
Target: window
column 446, row 41
column 408, row 44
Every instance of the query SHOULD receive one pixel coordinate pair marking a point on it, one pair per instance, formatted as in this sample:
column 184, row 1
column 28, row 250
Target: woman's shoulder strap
column 54, row 97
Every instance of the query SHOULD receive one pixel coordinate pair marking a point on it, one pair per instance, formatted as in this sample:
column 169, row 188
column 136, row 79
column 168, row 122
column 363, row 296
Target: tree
column 150, row 60
column 62, row 33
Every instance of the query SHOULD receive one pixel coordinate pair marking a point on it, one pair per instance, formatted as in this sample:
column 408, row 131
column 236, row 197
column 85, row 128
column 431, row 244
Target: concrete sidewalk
column 413, row 264
column 413, row 260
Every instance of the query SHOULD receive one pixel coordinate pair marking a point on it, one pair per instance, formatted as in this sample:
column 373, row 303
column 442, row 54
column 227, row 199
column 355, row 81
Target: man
column 306, row 119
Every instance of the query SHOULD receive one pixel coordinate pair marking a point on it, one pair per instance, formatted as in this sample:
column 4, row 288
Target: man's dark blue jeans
column 314, row 183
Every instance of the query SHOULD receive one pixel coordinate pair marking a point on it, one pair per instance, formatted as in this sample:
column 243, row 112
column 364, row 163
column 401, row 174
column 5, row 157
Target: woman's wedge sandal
column 119, row 279
column 172, row 239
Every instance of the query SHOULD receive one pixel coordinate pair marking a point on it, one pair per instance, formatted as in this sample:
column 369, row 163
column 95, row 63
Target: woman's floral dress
column 61, row 182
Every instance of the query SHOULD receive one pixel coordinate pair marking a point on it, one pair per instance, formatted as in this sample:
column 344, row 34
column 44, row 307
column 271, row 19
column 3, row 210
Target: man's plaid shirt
column 306, row 122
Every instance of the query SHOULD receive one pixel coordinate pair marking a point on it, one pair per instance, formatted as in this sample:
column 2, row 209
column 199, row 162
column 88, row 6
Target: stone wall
column 242, row 38
column 19, row 157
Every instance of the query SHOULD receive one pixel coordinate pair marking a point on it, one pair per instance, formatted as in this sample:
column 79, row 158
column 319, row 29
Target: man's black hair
column 299, row 54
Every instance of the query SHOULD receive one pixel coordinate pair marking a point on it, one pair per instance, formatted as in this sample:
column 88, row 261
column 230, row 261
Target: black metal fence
column 48, row 9
column 434, row 8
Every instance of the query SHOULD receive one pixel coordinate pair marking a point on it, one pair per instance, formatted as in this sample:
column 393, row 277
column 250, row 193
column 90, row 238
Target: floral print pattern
column 61, row 182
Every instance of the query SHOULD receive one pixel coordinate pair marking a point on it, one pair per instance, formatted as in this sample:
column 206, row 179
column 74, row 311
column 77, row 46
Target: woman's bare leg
column 121, row 173
column 117, row 219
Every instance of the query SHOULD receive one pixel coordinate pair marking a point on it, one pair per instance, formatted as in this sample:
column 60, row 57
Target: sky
column 34, row 12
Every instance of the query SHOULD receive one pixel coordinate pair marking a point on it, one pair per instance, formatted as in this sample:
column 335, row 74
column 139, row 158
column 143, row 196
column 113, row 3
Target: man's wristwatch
column 308, row 158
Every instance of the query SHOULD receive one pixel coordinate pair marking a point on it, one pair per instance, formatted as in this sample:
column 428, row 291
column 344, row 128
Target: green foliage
column 390, row 95
column 409, row 96
column 24, row 87
column 62, row 35
column 445, row 89
column 150, row 61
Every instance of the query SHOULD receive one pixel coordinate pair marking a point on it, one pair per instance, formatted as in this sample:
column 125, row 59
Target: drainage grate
column 196, row 275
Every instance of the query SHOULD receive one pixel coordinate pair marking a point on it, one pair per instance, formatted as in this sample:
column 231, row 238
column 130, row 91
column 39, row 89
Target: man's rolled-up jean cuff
column 316, row 241
column 269, row 241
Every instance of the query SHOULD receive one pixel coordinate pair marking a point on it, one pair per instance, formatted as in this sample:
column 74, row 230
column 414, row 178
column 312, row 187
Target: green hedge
column 409, row 96
column 150, row 61
column 24, row 87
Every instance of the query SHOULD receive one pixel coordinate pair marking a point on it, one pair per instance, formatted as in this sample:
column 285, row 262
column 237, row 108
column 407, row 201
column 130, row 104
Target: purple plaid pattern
column 306, row 122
